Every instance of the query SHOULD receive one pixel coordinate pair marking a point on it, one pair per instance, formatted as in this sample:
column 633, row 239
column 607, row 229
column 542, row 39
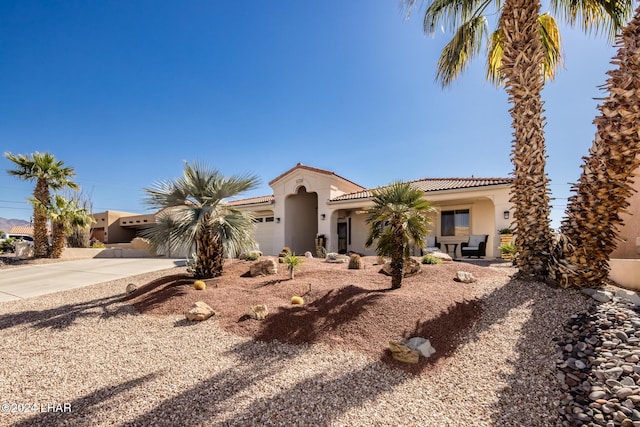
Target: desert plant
column 97, row 244
column 194, row 214
column 296, row 300
column 508, row 249
column 430, row 259
column 7, row 245
column 252, row 256
column 49, row 174
column 199, row 285
column 505, row 231
column 292, row 262
column 355, row 262
column 398, row 218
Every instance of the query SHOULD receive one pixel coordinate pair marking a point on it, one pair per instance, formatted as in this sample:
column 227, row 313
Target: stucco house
column 309, row 203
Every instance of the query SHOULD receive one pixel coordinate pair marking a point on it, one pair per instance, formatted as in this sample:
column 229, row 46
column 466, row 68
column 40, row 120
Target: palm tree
column 193, row 212
column 398, row 219
column 49, row 174
column 64, row 215
column 524, row 49
column 589, row 230
column 468, row 20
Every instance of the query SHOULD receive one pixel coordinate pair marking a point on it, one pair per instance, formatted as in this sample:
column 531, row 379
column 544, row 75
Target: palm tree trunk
column 59, row 240
column 589, row 231
column 209, row 256
column 40, row 235
column 522, row 68
column 397, row 260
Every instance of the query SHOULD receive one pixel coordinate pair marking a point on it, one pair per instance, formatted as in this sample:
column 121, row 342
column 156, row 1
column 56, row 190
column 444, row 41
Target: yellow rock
column 200, row 285
column 403, row 353
column 297, row 300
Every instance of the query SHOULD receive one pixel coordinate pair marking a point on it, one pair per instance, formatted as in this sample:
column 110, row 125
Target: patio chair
column 431, row 245
column 476, row 246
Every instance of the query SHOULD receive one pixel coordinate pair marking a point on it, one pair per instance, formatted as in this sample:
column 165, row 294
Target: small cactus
column 199, row 285
column 355, row 262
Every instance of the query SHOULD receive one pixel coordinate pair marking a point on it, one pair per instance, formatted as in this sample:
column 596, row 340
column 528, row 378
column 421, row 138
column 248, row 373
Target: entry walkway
column 34, row 280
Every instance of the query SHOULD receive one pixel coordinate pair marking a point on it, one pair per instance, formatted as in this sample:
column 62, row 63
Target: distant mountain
column 6, row 224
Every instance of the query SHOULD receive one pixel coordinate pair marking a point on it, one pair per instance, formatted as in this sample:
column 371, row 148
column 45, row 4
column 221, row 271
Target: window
column 258, row 219
column 268, row 219
column 455, row 223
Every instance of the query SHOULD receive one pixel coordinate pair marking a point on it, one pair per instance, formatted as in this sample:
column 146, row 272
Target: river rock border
column 598, row 363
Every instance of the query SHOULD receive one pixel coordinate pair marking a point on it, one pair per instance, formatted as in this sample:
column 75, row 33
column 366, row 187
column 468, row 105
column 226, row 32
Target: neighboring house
column 308, row 202
column 118, row 227
column 24, row 230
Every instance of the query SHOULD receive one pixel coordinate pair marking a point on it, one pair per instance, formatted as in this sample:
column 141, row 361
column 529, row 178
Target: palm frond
column 595, row 15
column 465, row 44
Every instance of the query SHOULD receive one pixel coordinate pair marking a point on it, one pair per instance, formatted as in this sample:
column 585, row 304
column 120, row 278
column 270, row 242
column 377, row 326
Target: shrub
column 505, row 231
column 7, row 245
column 508, row 248
column 355, row 262
column 292, row 262
column 252, row 256
column 430, row 259
column 97, row 245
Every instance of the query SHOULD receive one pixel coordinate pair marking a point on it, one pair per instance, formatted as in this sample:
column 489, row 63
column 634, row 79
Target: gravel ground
column 87, row 358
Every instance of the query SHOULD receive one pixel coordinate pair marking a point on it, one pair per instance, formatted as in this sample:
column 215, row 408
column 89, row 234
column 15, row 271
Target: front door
column 342, row 237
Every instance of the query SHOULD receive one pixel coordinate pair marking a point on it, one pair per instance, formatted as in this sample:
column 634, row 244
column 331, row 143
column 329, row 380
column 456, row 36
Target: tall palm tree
column 49, row 174
column 64, row 215
column 524, row 49
column 194, row 213
column 589, row 230
column 469, row 22
column 398, row 218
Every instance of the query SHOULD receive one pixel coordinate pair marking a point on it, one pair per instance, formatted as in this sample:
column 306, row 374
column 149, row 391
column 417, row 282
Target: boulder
column 263, row 268
column 465, row 277
column 403, row 353
column 131, row 288
column 441, row 256
column 411, row 268
column 308, row 254
column 199, row 311
column 336, row 258
column 258, row 312
column 630, row 296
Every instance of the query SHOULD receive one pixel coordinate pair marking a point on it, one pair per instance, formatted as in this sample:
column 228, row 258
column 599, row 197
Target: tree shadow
column 441, row 335
column 159, row 291
column 64, row 316
column 81, row 409
column 305, row 323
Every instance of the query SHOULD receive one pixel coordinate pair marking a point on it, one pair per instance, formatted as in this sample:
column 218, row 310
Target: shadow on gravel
column 64, row 316
column 82, row 410
column 304, row 323
column 525, row 399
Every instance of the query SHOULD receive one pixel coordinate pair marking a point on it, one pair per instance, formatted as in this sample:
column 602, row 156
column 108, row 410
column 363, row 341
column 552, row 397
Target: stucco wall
column 627, row 249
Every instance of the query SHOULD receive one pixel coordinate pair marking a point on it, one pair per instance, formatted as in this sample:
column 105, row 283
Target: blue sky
column 126, row 92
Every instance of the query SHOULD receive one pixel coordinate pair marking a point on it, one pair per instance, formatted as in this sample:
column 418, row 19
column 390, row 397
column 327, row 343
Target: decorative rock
column 333, row 257
column 411, row 268
column 595, row 395
column 441, row 256
column 263, row 268
column 421, row 345
column 602, row 296
column 308, row 254
column 199, row 311
column 464, row 277
column 613, row 373
column 131, row 288
column 629, row 296
column 258, row 312
column 623, row 393
column 403, row 353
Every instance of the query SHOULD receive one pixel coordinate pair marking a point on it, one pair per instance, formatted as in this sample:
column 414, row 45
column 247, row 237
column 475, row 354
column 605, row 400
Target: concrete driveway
column 34, row 280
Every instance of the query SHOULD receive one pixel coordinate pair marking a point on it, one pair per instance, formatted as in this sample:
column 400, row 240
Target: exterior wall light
column 506, row 214
column 322, row 216
column 278, row 220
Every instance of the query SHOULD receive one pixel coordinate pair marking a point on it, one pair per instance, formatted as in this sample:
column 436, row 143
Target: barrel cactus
column 355, row 262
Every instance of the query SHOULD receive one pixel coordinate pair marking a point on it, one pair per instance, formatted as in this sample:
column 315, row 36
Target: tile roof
column 312, row 169
column 21, row 229
column 253, row 200
column 435, row 184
